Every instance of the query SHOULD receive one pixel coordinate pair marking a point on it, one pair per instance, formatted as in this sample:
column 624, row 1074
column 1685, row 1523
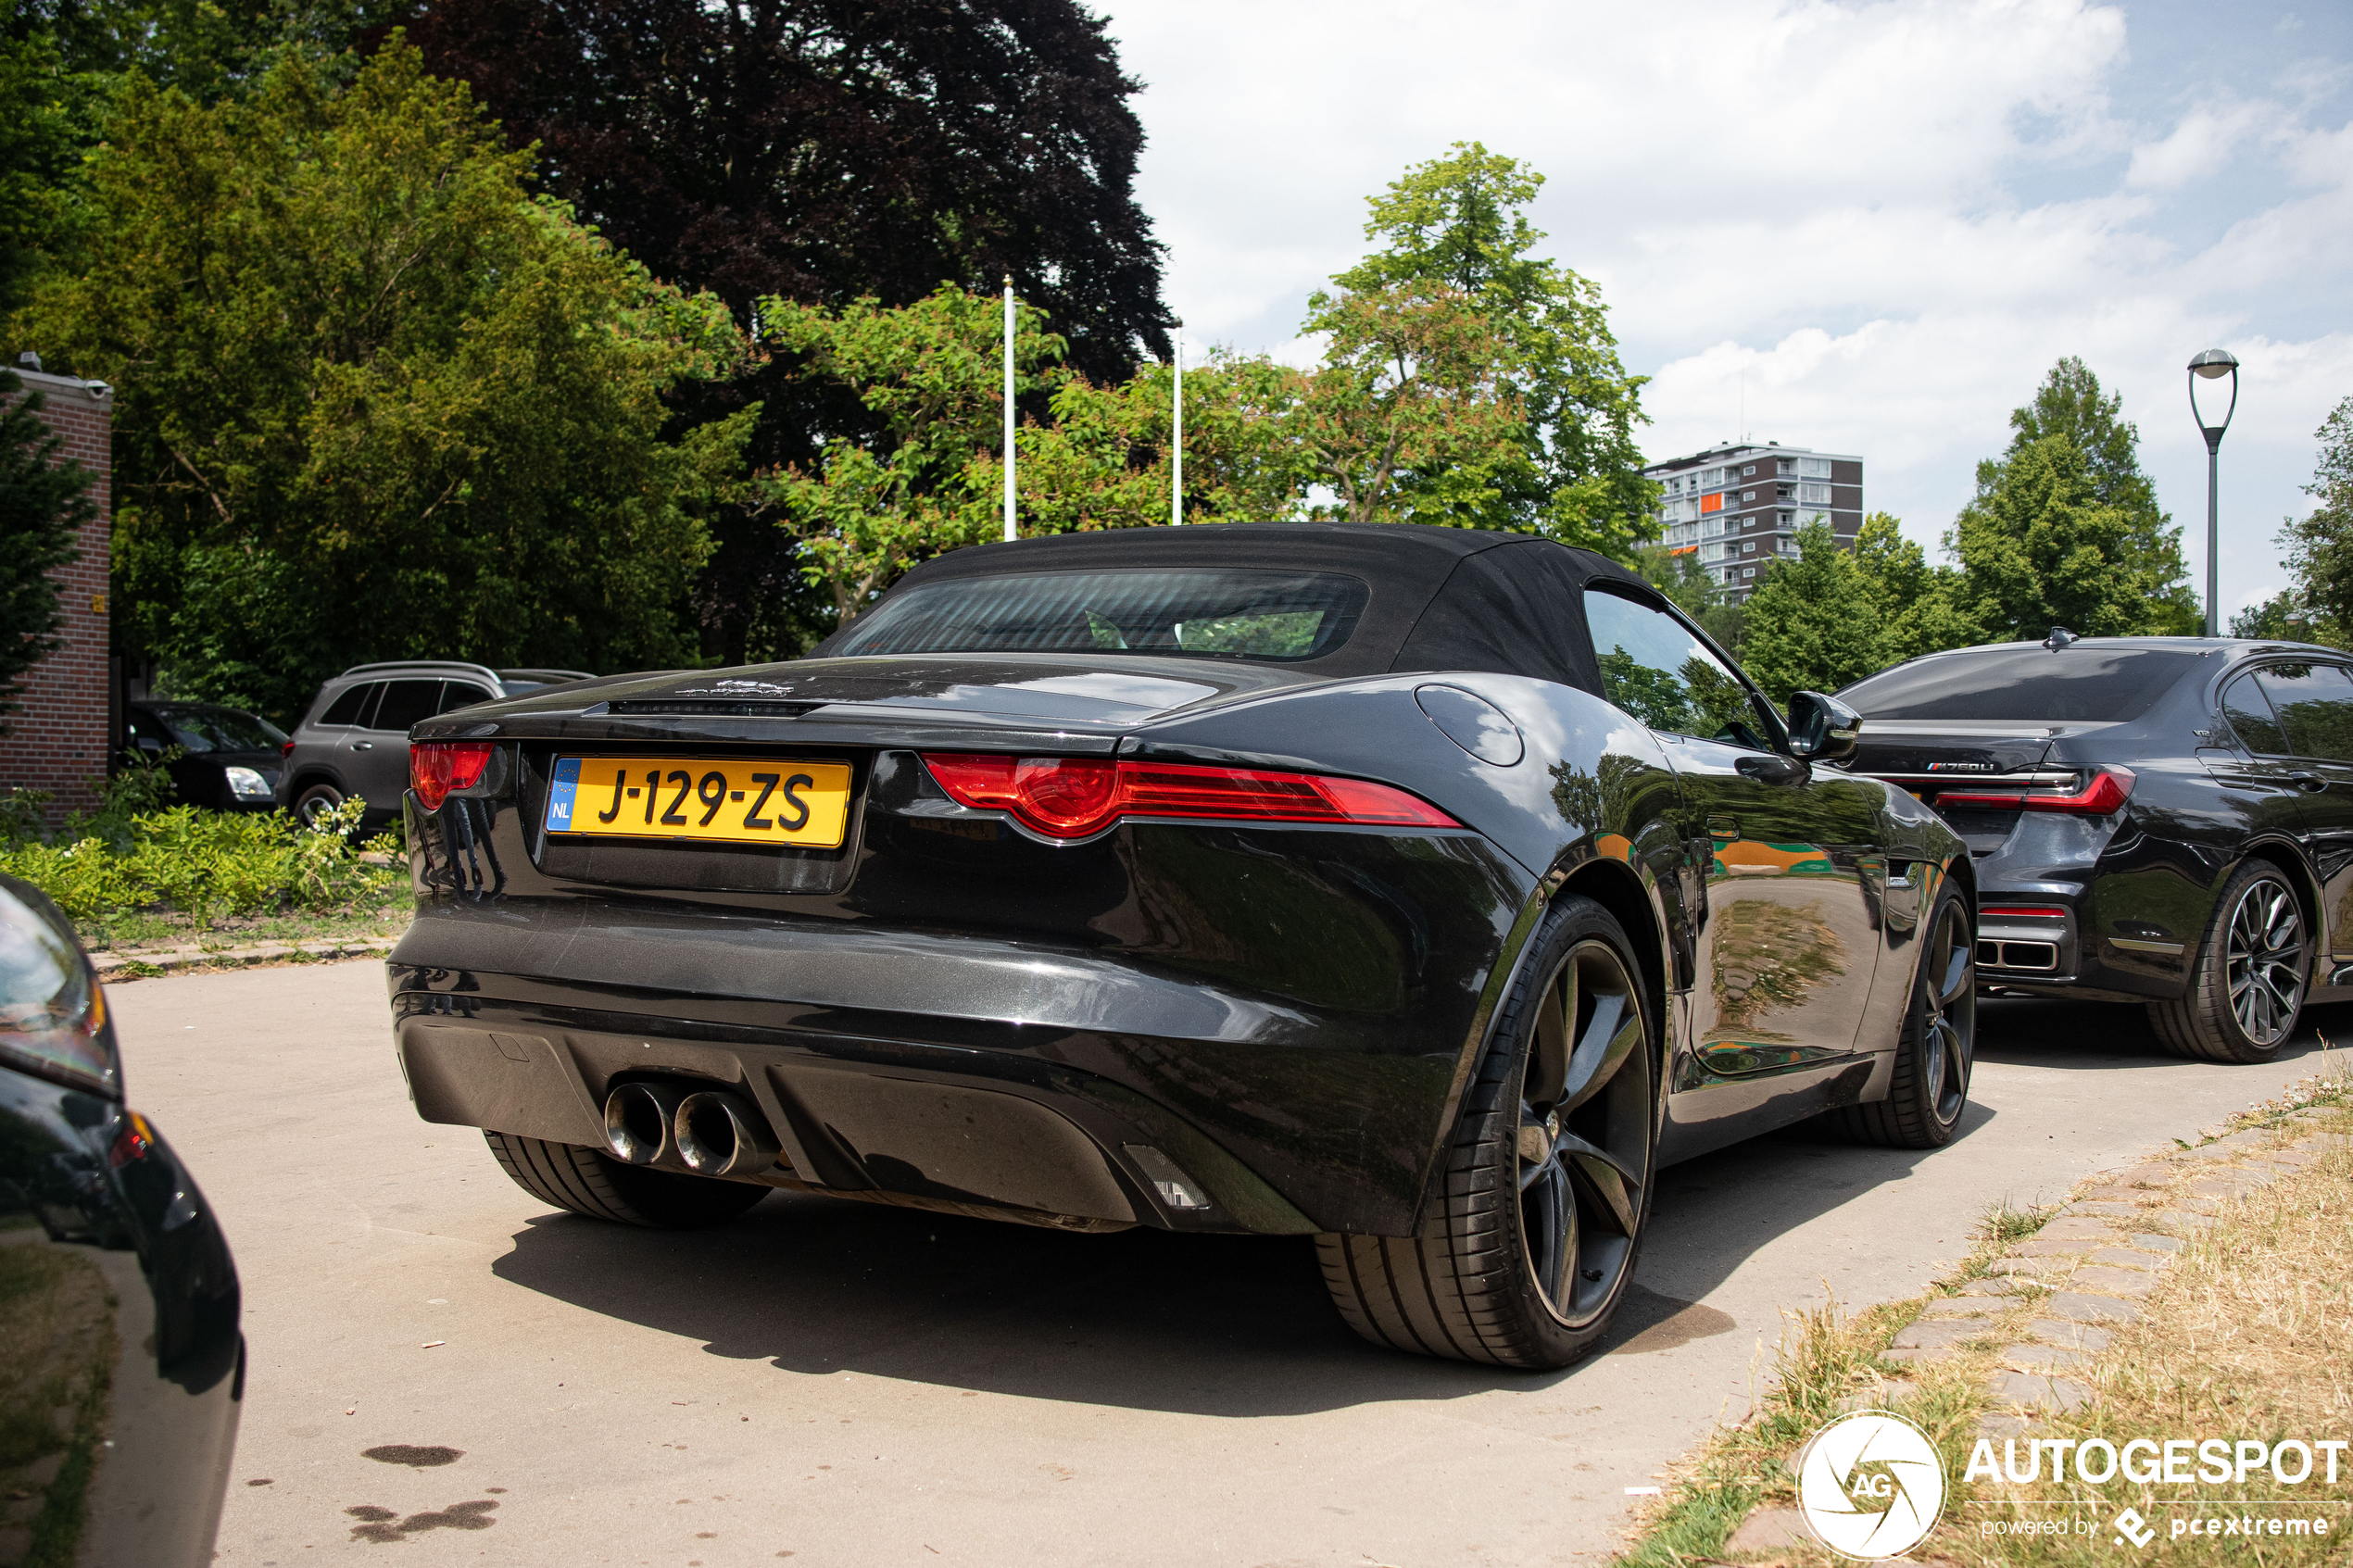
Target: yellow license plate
column 758, row 800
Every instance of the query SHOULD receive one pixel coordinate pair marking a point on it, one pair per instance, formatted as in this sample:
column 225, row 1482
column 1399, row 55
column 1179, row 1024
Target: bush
column 205, row 864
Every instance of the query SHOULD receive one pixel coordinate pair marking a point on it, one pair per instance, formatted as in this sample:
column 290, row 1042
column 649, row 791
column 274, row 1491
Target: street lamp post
column 2213, row 364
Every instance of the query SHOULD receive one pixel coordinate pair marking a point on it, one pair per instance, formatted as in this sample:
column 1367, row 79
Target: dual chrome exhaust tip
column 708, row 1132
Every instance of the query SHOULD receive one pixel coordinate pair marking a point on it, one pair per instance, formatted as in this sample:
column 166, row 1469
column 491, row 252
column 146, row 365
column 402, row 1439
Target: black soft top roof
column 1441, row 598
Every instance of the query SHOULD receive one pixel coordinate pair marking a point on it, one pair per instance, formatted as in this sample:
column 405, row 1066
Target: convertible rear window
column 2074, row 685
column 1206, row 614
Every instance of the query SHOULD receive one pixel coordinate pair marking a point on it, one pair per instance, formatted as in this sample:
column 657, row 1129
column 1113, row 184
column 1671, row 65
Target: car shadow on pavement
column 1144, row 1319
column 2109, row 1036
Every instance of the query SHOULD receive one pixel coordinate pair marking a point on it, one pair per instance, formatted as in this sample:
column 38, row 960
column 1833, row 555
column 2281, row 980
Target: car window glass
column 2249, row 712
column 461, row 693
column 406, row 703
column 2315, row 706
column 2102, row 684
column 347, row 708
column 1233, row 613
column 1655, row 670
column 221, row 729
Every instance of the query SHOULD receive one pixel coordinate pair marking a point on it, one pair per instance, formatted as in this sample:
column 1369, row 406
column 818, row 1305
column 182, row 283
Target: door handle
column 1723, row 827
column 363, row 745
column 2310, row 784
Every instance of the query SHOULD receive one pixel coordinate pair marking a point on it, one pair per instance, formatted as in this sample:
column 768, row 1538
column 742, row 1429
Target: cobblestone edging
column 120, row 967
column 2055, row 1298
column 2090, row 1266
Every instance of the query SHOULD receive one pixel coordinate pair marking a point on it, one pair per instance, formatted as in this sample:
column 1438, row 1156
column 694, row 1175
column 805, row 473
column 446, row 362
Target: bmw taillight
column 437, row 767
column 1075, row 797
column 2098, row 792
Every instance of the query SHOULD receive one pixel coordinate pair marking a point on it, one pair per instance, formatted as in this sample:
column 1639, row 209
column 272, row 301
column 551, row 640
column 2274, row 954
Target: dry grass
column 2250, row 1337
column 1826, row 1363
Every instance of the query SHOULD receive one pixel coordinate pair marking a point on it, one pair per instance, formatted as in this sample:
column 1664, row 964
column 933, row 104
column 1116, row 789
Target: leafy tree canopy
column 375, row 402
column 1456, row 223
column 42, row 504
column 823, row 151
column 2040, row 549
column 2319, row 547
column 2072, row 404
column 1695, row 592
column 1813, row 623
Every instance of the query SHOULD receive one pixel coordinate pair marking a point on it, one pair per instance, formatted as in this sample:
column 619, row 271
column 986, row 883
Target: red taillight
column 2102, row 793
column 287, row 751
column 437, row 767
column 2019, row 911
column 1073, row 797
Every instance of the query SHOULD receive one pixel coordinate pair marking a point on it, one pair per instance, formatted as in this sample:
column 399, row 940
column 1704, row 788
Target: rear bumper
column 955, row 1070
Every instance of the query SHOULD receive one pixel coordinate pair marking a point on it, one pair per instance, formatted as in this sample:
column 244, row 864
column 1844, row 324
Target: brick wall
column 60, row 738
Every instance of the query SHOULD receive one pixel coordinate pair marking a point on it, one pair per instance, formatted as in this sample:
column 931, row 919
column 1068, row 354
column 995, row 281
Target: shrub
column 205, row 864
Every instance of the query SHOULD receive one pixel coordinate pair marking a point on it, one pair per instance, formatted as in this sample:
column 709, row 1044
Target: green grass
column 1826, row 1362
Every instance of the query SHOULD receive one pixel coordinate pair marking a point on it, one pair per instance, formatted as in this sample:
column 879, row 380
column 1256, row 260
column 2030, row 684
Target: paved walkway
column 855, row 1385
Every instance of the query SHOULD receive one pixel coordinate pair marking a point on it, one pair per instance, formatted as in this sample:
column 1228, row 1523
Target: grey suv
column 354, row 741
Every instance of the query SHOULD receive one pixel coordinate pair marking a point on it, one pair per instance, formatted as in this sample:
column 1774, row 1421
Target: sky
column 1861, row 228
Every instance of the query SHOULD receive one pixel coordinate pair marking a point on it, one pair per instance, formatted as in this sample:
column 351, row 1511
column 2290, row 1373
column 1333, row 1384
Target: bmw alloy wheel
column 2264, row 960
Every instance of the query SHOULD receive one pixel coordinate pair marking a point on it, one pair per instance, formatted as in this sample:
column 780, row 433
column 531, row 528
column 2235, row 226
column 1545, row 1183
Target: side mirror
column 1823, row 729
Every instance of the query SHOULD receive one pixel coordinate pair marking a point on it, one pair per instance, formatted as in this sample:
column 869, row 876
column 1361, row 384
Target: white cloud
column 1882, row 222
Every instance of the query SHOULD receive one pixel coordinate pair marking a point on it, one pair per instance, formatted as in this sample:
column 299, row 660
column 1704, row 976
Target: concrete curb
column 121, row 968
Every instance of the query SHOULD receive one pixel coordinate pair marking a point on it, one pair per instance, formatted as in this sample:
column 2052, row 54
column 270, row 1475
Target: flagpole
column 1009, row 406
column 1177, row 447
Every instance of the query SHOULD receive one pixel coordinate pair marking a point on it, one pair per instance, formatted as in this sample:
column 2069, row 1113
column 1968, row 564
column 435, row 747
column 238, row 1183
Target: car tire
column 1938, row 1049
column 315, row 799
column 590, row 1182
column 2259, row 931
column 1533, row 1234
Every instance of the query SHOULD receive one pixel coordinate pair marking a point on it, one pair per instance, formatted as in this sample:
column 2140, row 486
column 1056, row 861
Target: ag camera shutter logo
column 1870, row 1485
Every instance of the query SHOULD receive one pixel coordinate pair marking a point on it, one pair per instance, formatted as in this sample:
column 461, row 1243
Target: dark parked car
column 1420, row 890
column 229, row 758
column 2166, row 820
column 122, row 1368
column 354, row 741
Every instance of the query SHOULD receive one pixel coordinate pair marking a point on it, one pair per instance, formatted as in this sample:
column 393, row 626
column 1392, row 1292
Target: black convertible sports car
column 1423, row 891
column 2166, row 820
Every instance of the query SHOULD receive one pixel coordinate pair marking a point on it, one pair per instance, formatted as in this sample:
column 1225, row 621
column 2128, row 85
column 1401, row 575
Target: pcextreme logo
column 1870, row 1485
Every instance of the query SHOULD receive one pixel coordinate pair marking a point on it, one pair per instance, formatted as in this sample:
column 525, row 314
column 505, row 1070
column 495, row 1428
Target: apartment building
column 1737, row 507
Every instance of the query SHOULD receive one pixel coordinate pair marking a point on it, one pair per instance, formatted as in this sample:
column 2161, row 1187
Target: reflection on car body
column 1424, row 891
column 121, row 1367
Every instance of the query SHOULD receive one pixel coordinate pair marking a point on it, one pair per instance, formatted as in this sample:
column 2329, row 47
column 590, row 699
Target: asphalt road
column 840, row 1384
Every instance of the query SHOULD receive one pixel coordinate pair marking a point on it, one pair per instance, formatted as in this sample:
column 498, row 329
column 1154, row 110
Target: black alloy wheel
column 1585, row 1129
column 2245, row 991
column 1929, row 1089
column 1532, row 1237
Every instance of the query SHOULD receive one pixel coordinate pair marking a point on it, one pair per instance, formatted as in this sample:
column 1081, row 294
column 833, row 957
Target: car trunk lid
column 1932, row 758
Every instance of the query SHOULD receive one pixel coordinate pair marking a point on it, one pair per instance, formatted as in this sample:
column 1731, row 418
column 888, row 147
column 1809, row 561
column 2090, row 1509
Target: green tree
column 2070, row 403
column 1103, row 459
column 1410, row 418
column 1914, row 605
column 930, row 375
column 44, row 503
column 375, row 402
column 2040, row 549
column 1458, row 223
column 2320, row 543
column 1678, row 575
column 1813, row 621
